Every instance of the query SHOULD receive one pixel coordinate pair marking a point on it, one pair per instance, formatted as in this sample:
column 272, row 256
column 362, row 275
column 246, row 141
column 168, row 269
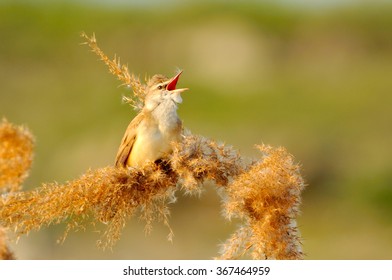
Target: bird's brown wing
column 127, row 142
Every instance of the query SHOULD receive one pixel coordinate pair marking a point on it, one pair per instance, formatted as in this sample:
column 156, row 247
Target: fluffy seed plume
column 109, row 195
column 267, row 198
column 196, row 159
column 16, row 155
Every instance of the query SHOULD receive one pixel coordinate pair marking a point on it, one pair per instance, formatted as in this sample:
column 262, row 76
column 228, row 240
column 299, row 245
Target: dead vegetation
column 264, row 194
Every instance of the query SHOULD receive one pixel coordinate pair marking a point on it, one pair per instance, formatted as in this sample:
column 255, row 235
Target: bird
column 150, row 135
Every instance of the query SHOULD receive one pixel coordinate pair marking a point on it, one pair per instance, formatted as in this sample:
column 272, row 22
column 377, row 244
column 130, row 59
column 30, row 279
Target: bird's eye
column 160, row 87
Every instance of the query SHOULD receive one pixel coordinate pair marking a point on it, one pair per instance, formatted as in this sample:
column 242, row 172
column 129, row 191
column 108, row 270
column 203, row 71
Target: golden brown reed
column 16, row 155
column 267, row 199
column 196, row 159
column 264, row 194
column 112, row 195
column 109, row 195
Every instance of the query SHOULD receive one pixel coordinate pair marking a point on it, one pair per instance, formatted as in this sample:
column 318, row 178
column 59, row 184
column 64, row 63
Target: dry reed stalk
column 112, row 195
column 109, row 195
column 264, row 194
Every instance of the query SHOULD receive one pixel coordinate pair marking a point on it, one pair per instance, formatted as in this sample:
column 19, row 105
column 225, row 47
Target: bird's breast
column 154, row 139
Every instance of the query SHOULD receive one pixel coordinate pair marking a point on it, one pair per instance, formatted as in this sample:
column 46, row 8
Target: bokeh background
column 313, row 76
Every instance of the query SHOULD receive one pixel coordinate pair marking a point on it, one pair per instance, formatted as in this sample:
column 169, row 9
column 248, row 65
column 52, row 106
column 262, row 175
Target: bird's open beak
column 171, row 86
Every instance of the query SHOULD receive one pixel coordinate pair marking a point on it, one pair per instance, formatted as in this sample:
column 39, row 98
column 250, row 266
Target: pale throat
column 166, row 115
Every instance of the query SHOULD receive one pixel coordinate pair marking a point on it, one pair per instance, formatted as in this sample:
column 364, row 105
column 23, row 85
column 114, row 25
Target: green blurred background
column 313, row 76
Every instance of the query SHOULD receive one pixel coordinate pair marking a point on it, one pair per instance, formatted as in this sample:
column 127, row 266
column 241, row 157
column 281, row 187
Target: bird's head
column 160, row 89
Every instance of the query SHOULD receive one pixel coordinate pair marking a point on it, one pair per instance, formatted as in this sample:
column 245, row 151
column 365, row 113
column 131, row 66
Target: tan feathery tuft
column 16, row 155
column 267, row 198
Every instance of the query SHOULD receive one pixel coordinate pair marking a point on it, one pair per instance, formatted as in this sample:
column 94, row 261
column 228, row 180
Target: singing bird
column 150, row 134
